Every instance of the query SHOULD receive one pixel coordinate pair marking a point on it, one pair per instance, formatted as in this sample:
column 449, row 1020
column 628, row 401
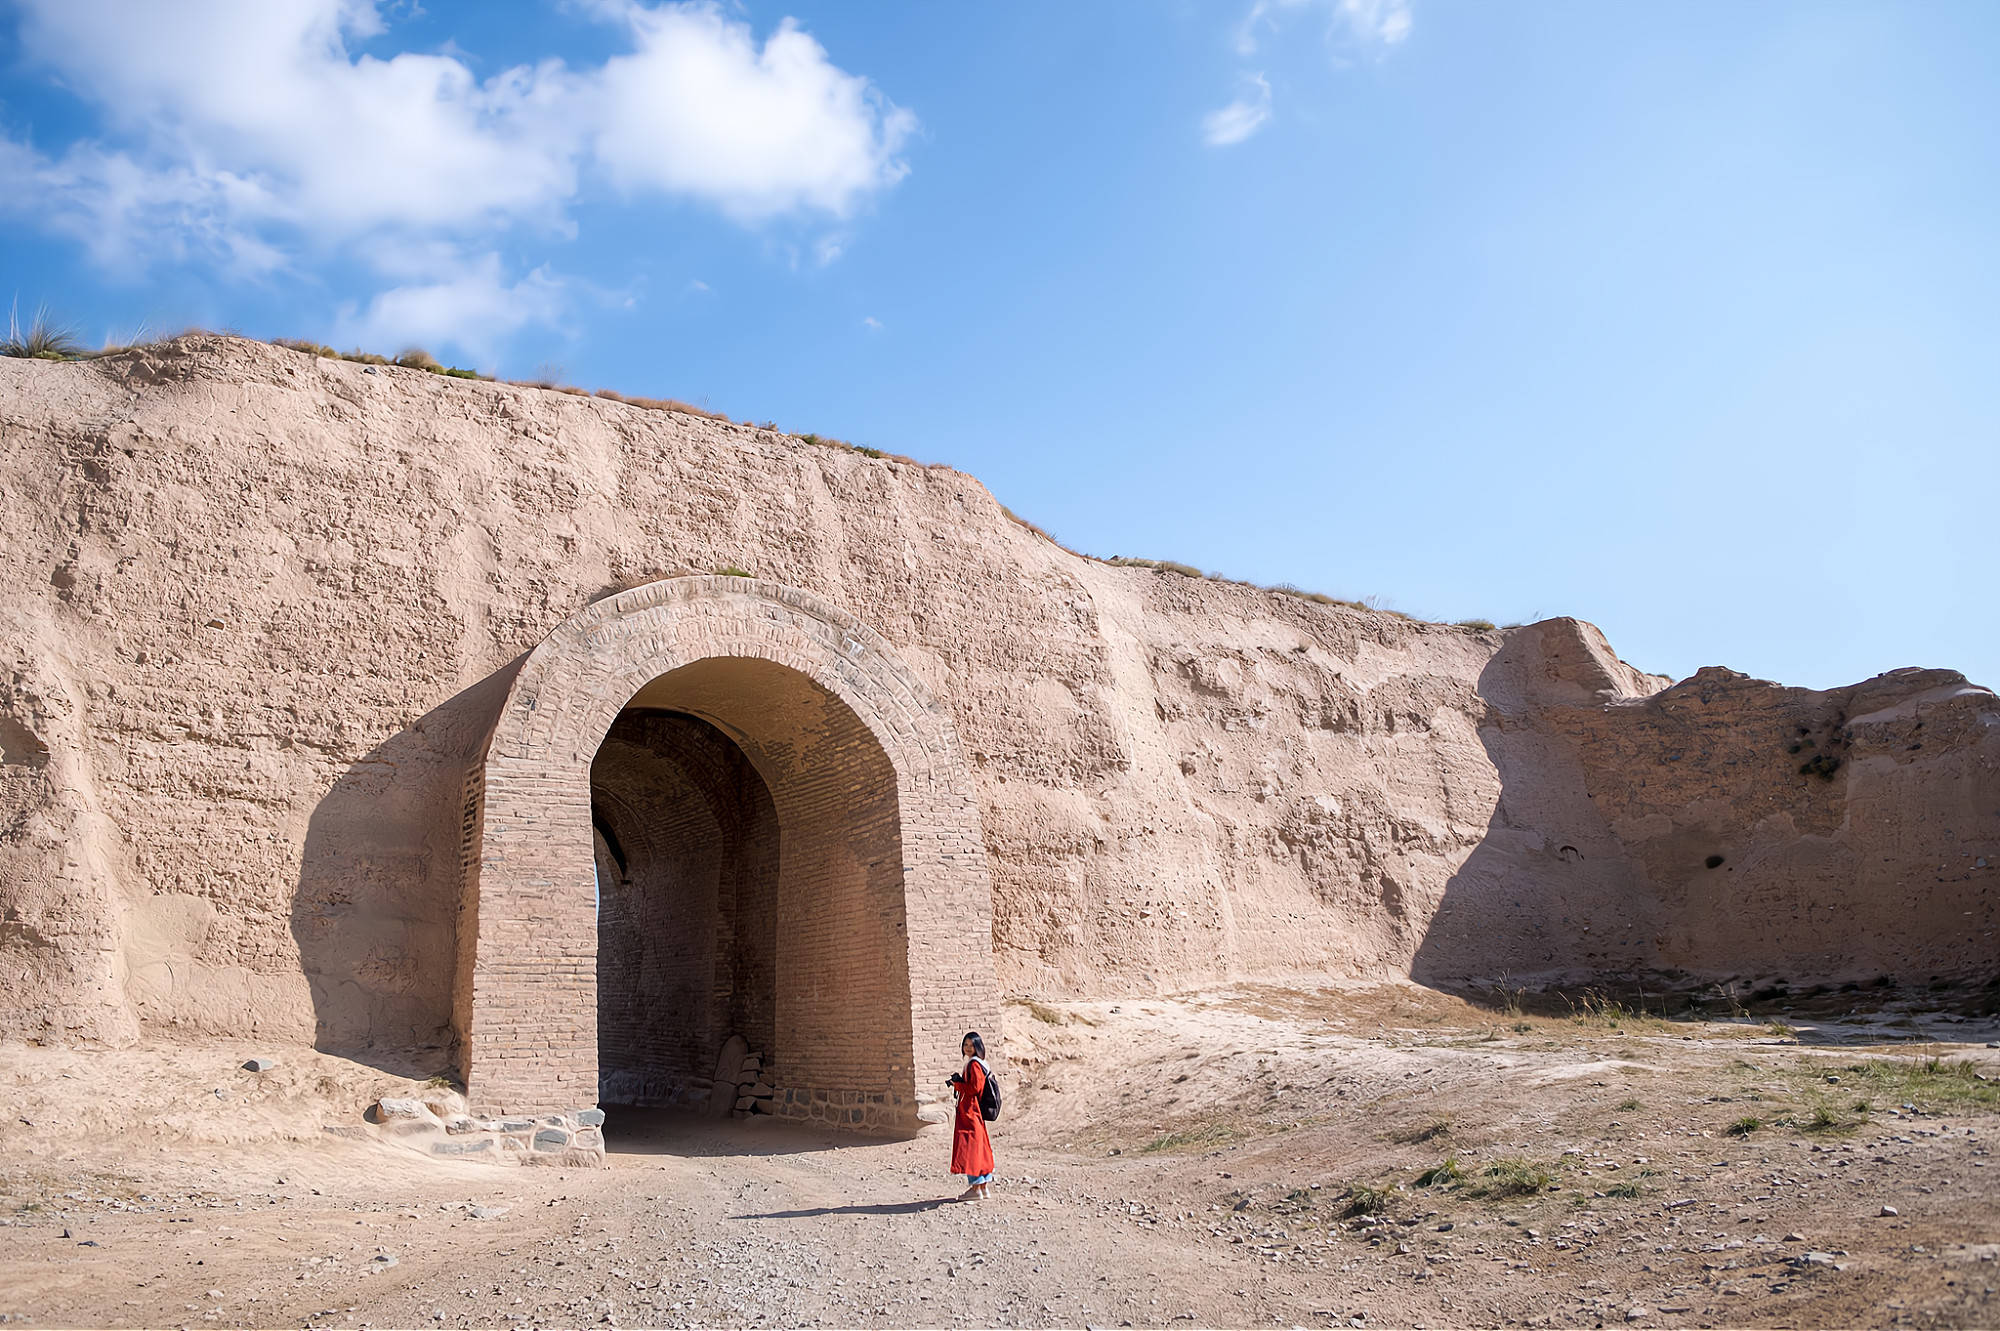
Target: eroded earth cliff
column 257, row 610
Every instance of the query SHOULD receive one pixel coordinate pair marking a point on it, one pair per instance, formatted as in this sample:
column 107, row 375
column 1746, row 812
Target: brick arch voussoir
column 572, row 687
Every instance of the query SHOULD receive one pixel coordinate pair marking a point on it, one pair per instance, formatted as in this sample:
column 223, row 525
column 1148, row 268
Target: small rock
column 1636, row 1313
column 1889, row 1210
column 1795, row 1238
column 1806, row 1259
column 486, row 1212
column 260, row 1065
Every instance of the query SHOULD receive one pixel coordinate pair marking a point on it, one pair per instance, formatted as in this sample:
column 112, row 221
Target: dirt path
column 1240, row 1158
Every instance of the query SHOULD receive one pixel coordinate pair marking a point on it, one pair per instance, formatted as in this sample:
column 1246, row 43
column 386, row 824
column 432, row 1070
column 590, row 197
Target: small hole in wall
column 1713, row 862
column 1569, row 854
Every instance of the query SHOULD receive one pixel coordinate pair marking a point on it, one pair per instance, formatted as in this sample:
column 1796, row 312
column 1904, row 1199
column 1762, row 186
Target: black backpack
column 989, row 1095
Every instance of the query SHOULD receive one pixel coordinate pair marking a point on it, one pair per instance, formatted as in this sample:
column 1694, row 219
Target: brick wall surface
column 884, row 934
column 687, row 906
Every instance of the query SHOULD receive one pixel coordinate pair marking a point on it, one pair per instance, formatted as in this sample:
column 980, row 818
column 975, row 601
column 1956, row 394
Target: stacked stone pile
column 754, row 1095
column 439, row 1125
column 739, row 1088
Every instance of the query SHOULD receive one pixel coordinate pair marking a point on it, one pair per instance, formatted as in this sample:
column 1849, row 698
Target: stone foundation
column 867, row 1111
column 574, row 1139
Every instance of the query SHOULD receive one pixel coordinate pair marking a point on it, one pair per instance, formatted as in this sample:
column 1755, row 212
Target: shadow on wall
column 375, row 915
column 1548, row 896
column 1723, row 835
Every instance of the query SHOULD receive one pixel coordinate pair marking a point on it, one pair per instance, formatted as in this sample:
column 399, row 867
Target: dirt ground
column 1359, row 1156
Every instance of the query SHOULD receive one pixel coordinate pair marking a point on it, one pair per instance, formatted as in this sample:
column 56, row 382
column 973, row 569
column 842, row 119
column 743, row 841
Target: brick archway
column 889, row 919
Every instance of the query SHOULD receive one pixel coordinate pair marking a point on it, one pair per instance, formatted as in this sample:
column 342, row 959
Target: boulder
column 396, row 1109
column 723, row 1097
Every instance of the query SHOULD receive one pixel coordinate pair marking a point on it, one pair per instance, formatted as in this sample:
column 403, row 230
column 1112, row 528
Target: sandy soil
column 1242, row 1157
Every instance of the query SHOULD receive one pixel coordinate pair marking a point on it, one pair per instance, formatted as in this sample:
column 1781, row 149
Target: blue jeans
column 976, row 1180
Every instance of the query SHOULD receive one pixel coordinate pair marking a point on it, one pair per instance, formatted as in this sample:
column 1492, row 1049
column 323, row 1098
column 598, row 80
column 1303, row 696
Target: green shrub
column 1199, row 1136
column 1360, row 1199
column 1510, row 1177
column 1445, row 1174
column 1744, row 1126
column 1430, row 1131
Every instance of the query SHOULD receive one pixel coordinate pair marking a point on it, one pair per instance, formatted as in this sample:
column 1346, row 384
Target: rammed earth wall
column 264, row 613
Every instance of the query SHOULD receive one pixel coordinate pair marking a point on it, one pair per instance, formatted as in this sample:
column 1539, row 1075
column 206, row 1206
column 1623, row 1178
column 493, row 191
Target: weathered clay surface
column 257, row 611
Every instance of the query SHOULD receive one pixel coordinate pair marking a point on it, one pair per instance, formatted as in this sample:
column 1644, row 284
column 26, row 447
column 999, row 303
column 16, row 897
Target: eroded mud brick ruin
column 429, row 722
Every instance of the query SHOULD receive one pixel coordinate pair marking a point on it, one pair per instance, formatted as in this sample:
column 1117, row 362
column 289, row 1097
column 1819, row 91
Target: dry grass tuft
column 42, row 339
column 661, row 404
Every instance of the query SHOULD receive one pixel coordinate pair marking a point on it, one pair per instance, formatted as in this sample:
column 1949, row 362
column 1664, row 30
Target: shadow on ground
column 879, row 1208
column 633, row 1131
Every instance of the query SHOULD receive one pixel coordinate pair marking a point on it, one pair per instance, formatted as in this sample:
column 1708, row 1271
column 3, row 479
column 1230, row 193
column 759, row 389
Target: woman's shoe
column 972, row 1194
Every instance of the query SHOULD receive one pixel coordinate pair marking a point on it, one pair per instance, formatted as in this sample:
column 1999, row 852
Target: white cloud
column 474, row 308
column 699, row 109
column 871, row 323
column 1240, row 119
column 245, row 134
column 1368, row 26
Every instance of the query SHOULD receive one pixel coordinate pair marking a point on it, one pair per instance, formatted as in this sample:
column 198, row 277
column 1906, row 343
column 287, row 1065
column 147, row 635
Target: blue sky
column 1683, row 319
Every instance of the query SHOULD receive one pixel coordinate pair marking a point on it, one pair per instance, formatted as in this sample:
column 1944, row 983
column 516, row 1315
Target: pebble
column 1889, row 1210
column 1636, row 1313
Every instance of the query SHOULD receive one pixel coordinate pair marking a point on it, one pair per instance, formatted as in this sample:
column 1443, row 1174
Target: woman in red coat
column 971, row 1151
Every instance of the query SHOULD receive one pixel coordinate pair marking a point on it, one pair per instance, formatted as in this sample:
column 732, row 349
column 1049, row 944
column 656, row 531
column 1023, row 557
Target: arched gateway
column 717, row 807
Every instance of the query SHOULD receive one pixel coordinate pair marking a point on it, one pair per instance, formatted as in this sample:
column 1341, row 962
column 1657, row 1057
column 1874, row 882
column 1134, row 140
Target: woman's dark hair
column 978, row 1045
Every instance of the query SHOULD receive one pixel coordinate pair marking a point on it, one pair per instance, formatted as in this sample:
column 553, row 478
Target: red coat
column 971, row 1151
